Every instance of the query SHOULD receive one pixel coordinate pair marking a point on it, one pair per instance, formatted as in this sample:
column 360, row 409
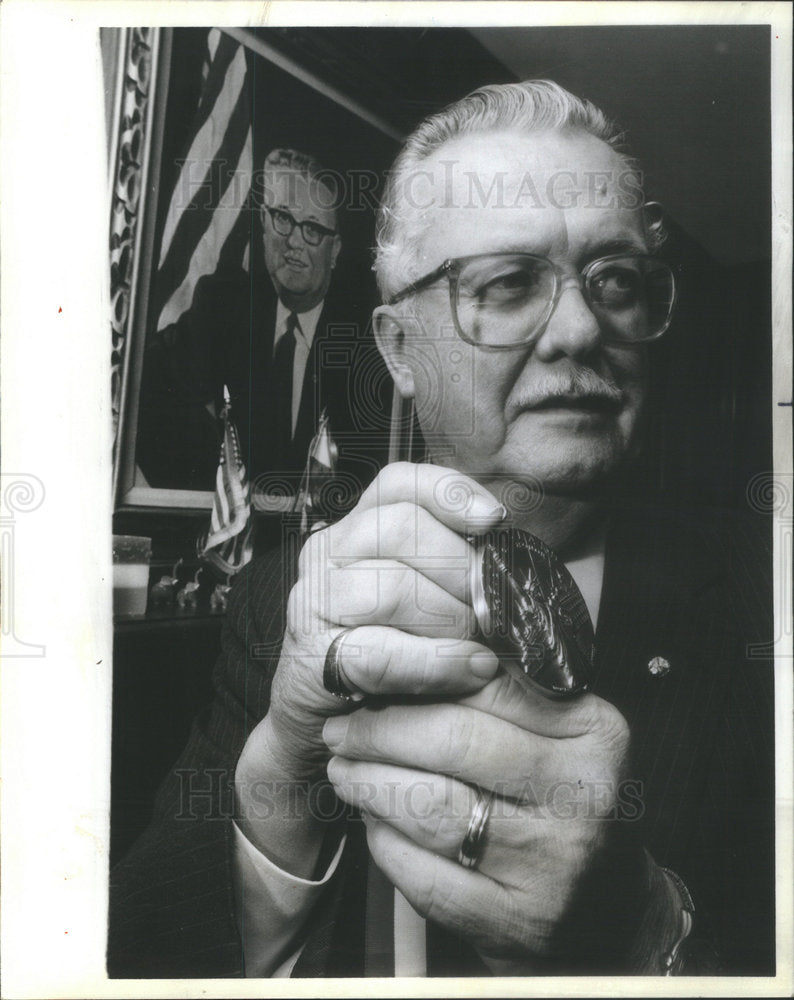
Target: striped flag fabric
column 323, row 453
column 228, row 545
column 207, row 221
column 321, row 462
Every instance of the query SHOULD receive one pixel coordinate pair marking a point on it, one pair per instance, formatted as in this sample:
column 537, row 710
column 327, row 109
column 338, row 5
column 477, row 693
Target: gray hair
column 533, row 105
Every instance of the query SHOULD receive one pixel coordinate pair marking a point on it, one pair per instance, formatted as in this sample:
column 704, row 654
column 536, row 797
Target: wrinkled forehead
column 305, row 197
column 551, row 192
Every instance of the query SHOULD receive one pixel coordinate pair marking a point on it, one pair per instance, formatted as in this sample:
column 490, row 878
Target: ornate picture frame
column 147, row 91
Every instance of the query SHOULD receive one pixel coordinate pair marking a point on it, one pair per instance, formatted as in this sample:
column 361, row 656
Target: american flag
column 207, row 220
column 320, row 465
column 228, row 545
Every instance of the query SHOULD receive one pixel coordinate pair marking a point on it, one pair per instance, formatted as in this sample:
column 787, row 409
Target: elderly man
column 261, row 332
column 627, row 829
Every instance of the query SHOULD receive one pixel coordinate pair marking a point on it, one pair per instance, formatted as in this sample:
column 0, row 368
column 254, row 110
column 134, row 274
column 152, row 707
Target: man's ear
column 653, row 218
column 390, row 330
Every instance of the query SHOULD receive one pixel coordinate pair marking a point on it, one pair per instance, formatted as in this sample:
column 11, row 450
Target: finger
column 435, row 812
column 456, row 500
column 383, row 661
column 468, row 902
column 385, row 592
column 466, row 744
column 431, row 809
column 405, row 532
column 511, row 697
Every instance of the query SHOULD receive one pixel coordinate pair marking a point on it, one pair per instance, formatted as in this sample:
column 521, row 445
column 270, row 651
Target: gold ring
column 471, row 848
column 333, row 676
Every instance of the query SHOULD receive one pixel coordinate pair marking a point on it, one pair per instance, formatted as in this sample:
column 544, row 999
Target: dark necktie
column 282, row 386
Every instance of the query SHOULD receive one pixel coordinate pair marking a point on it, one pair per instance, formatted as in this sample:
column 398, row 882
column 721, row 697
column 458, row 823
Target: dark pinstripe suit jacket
column 695, row 591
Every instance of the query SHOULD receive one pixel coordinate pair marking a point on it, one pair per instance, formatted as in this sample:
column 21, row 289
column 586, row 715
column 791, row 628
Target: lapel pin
column 658, row 666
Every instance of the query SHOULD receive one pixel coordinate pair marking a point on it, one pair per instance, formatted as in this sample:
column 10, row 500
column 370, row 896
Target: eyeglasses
column 312, row 232
column 504, row 300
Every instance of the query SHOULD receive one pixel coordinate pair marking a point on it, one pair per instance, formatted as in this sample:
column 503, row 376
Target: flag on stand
column 228, row 545
column 207, row 222
column 321, row 461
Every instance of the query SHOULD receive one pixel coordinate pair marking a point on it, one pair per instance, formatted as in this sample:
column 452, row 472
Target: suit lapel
column 661, row 648
column 259, row 391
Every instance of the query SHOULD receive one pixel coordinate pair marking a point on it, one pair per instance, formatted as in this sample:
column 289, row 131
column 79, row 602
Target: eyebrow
column 309, row 218
column 606, row 247
column 589, row 251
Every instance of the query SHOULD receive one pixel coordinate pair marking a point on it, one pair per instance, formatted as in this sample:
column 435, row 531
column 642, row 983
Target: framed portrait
column 215, row 134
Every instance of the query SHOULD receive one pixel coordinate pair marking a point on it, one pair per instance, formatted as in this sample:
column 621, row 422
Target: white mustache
column 581, row 384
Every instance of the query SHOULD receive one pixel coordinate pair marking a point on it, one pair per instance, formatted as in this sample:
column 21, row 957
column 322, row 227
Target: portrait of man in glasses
column 301, row 245
column 399, row 801
column 260, row 331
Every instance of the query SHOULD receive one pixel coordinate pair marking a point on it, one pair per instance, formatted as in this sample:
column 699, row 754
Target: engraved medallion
column 531, row 613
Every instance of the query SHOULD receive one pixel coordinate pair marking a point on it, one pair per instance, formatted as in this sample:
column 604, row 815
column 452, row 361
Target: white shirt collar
column 587, row 569
column 308, row 322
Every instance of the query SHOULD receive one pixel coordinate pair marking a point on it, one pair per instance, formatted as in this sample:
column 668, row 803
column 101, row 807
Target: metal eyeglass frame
column 453, row 266
column 324, row 230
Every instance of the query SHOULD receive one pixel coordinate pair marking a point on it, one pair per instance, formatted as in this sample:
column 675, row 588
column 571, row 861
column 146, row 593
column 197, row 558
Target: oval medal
column 531, row 613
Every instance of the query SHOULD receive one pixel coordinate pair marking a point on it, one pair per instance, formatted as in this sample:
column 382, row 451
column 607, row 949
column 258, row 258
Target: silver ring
column 471, row 848
column 334, row 679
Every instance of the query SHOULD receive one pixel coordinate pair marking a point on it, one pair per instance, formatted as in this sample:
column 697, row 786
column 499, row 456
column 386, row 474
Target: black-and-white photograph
column 447, row 529
column 573, row 265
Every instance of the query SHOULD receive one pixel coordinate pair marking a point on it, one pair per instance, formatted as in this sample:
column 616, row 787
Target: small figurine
column 163, row 593
column 219, row 597
column 187, row 597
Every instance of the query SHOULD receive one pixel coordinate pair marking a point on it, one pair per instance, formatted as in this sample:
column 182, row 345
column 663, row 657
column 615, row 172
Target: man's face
column 562, row 412
column 300, row 272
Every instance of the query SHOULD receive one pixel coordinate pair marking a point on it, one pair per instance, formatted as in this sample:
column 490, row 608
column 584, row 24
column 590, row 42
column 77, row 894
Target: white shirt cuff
column 272, row 906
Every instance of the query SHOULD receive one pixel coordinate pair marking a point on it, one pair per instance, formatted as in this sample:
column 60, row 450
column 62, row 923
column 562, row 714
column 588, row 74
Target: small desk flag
column 320, row 465
column 228, row 545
